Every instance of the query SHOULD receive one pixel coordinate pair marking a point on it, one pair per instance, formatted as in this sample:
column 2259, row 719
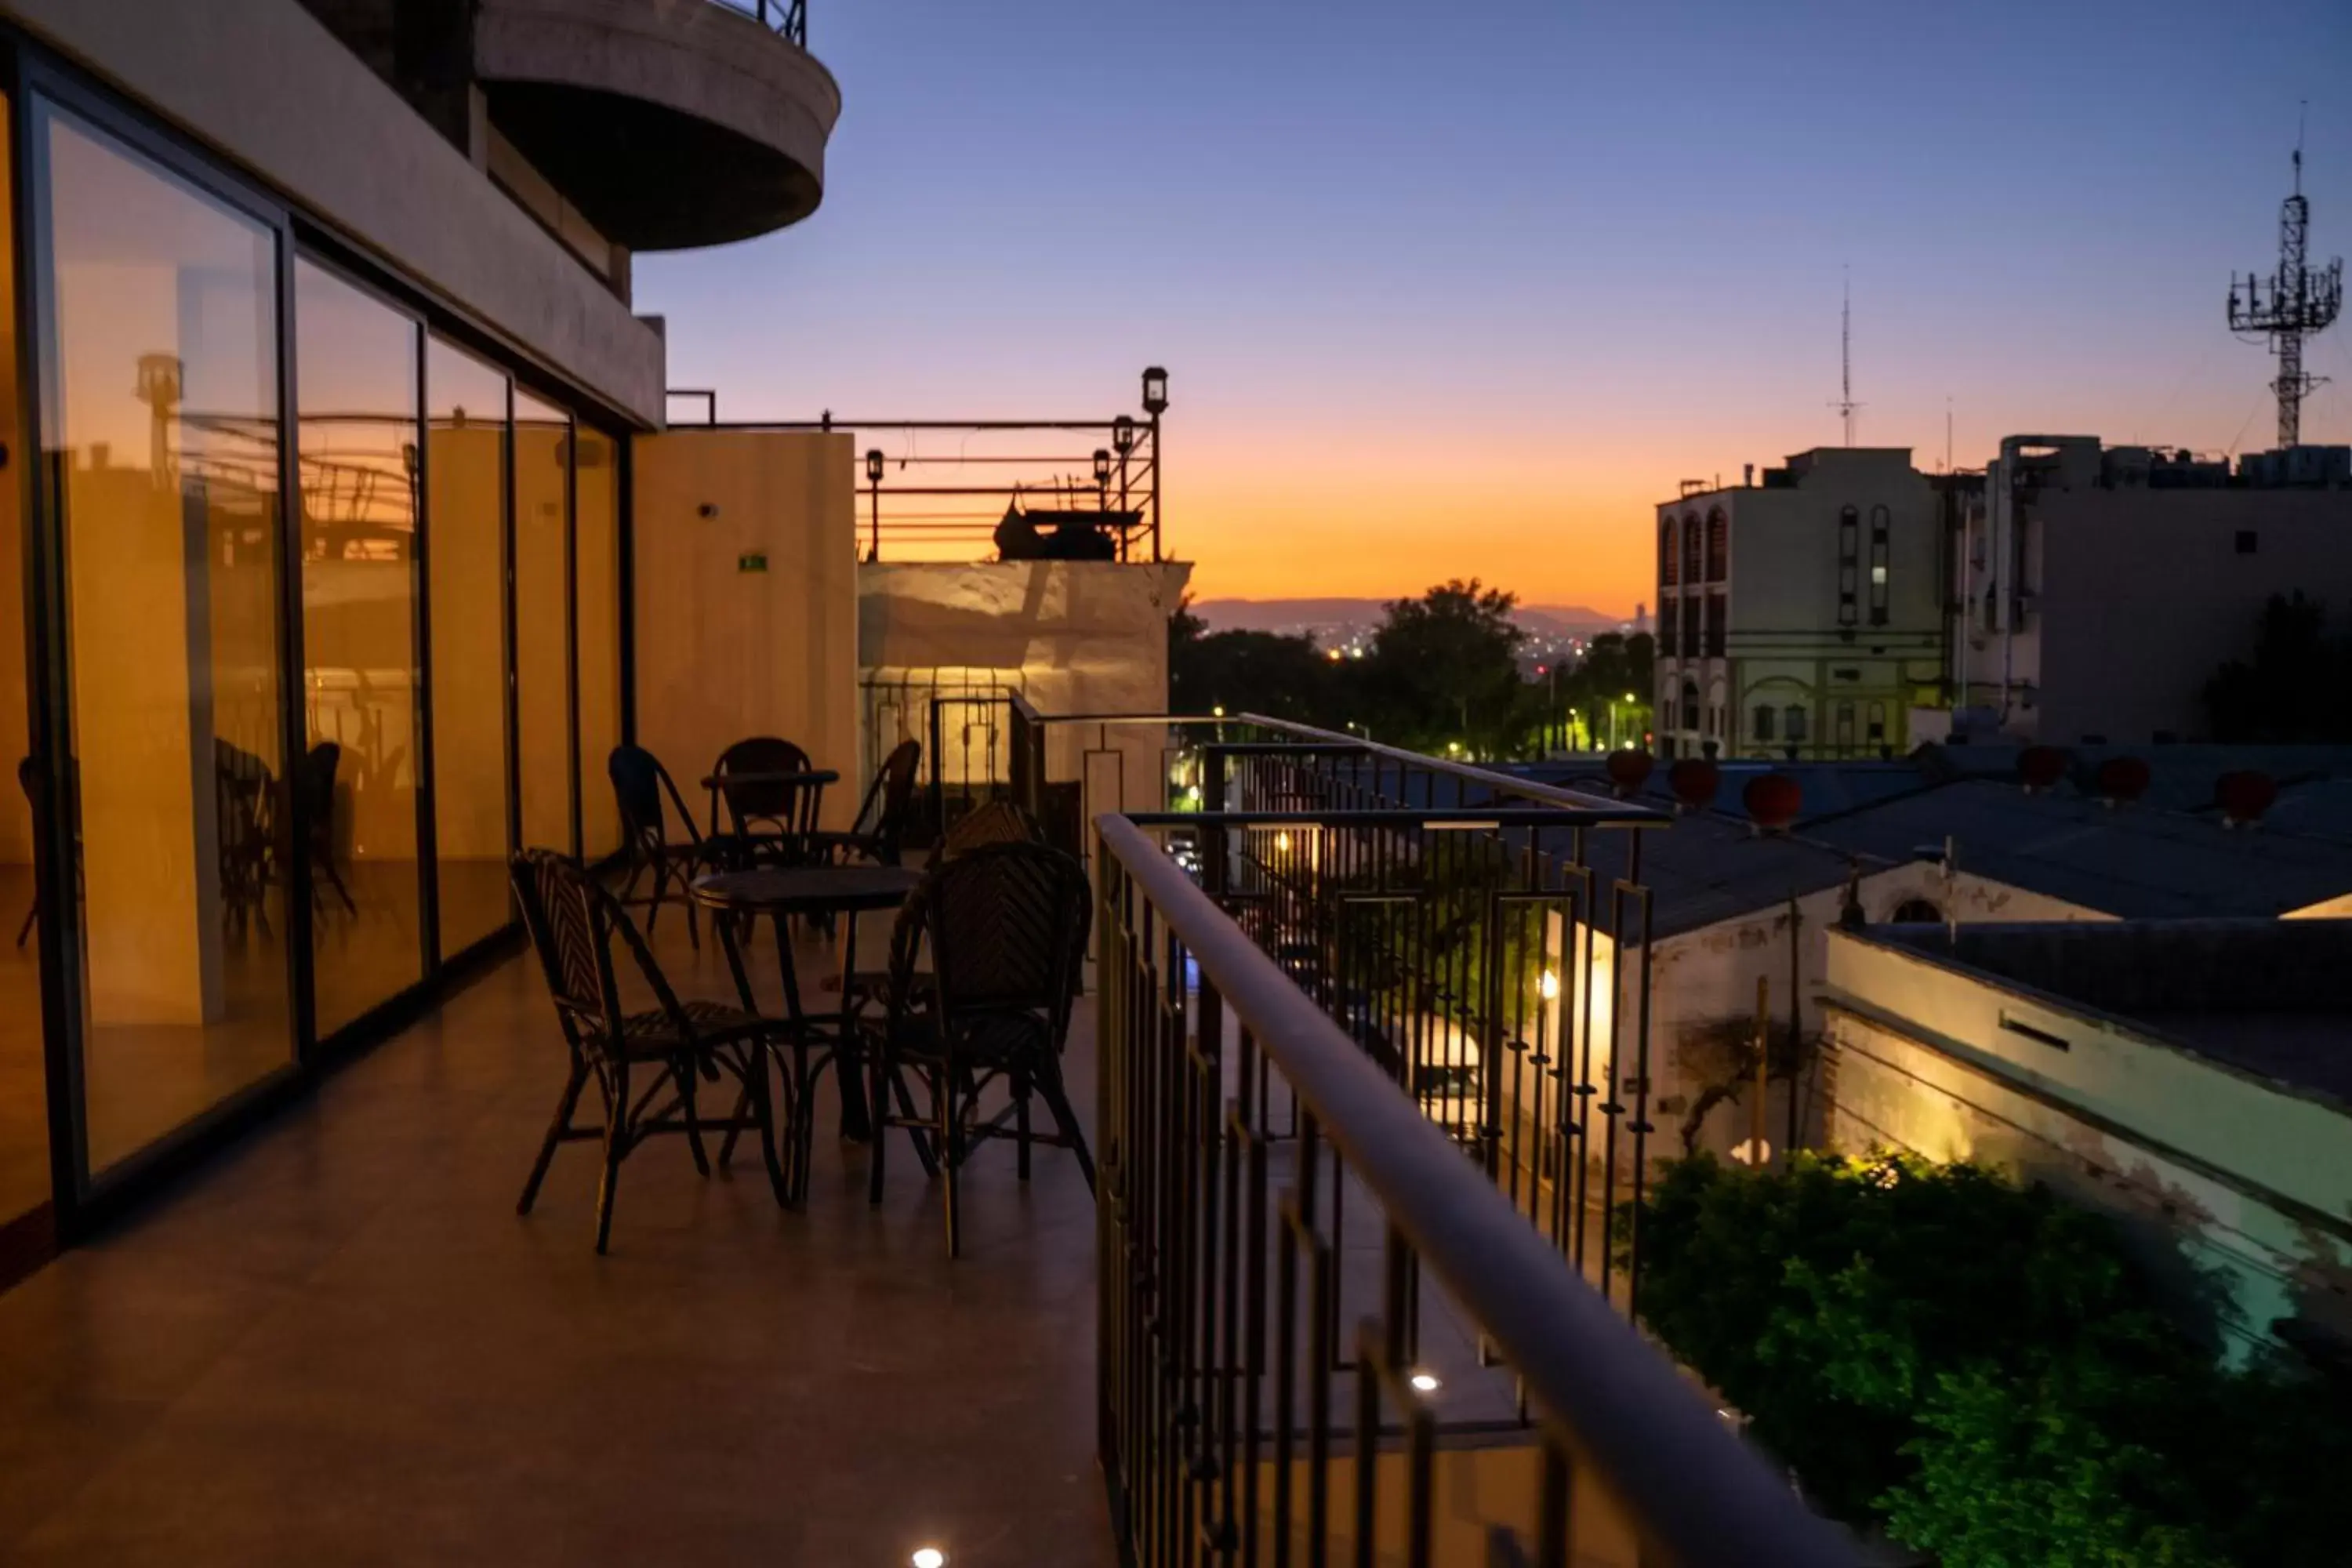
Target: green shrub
column 1983, row 1369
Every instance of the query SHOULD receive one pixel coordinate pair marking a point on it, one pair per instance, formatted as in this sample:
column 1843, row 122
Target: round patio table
column 779, row 893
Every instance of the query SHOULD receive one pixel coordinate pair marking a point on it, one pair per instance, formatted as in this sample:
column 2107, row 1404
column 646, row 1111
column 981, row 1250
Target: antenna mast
column 2288, row 305
column 1845, row 405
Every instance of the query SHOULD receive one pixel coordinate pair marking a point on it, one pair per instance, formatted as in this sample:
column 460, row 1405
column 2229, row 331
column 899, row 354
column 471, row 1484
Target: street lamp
column 873, row 484
column 1155, row 403
column 1102, row 477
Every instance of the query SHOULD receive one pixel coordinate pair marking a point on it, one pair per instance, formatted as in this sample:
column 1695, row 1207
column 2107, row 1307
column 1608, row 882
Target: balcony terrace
column 1338, row 1216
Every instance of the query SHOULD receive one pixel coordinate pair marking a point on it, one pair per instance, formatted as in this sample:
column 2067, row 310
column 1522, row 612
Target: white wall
column 1073, row 637
column 2182, row 1150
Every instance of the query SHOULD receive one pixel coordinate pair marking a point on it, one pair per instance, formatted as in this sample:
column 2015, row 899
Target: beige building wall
column 2216, row 1170
column 2141, row 595
column 1073, row 637
column 746, row 586
column 1785, row 645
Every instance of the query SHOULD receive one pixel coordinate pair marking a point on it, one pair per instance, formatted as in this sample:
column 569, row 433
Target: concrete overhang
column 668, row 123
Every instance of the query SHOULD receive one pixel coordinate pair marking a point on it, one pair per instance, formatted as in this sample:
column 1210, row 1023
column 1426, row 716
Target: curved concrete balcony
column 668, row 123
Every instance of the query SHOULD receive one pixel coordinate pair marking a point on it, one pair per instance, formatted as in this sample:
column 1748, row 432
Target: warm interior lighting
column 1282, row 843
column 928, row 1557
column 1424, row 1382
column 1548, row 987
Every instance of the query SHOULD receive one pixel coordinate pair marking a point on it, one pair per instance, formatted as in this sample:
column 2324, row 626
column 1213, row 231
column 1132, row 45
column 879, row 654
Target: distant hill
column 1279, row 615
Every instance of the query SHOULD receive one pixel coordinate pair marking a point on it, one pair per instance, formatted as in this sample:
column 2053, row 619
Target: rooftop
column 2269, row 999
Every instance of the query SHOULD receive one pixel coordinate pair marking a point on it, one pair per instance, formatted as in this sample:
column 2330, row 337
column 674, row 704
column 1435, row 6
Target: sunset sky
column 1463, row 288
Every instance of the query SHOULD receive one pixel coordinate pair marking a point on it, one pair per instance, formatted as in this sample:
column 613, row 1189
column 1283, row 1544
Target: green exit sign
column 752, row 560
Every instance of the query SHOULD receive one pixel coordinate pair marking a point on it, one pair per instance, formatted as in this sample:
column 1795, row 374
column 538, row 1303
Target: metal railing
column 787, row 19
column 1285, row 1240
column 1374, row 1121
column 939, row 489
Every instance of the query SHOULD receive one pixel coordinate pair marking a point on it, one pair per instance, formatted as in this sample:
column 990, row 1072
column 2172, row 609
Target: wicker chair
column 667, row 1049
column 993, row 822
column 320, row 764
column 772, row 822
column 880, row 828
column 1005, row 926
column 646, row 796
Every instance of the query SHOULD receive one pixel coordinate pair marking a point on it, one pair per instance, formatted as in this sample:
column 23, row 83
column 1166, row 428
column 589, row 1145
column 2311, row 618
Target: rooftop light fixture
column 1102, row 468
column 874, row 465
column 1155, row 392
column 1122, row 434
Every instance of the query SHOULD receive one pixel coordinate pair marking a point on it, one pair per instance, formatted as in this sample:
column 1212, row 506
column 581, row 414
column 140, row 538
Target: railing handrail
column 1526, row 789
column 788, row 19
column 1614, row 1401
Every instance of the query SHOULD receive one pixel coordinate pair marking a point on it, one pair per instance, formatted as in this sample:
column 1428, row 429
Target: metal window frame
column 37, row 83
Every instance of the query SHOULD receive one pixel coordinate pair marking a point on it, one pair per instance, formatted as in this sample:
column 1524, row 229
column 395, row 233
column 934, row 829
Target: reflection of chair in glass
column 1006, row 927
column 319, row 765
column 772, row 821
column 572, row 919
column 246, row 793
column 881, row 824
column 641, row 786
column 996, row 821
column 29, row 779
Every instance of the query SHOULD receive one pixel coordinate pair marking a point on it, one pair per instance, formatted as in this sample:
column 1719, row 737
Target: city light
column 928, row 1557
column 1548, row 987
column 1282, row 843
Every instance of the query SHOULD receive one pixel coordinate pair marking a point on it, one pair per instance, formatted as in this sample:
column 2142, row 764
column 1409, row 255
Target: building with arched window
column 1811, row 597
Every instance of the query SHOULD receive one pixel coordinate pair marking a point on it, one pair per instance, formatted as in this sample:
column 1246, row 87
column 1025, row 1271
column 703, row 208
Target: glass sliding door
column 355, row 378
column 24, row 1182
column 465, row 521
column 159, row 343
column 542, row 671
column 596, row 555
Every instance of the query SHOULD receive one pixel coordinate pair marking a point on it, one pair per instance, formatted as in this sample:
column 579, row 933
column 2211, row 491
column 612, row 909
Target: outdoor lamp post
column 1122, row 441
column 874, row 487
column 1155, row 403
column 1102, row 474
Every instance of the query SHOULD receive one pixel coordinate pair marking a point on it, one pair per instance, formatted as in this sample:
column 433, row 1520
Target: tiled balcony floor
column 341, row 1345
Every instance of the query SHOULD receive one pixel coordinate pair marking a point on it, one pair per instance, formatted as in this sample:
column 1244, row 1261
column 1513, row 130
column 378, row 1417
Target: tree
column 2297, row 688
column 1614, row 665
column 1443, row 673
column 1256, row 672
column 1984, row 1370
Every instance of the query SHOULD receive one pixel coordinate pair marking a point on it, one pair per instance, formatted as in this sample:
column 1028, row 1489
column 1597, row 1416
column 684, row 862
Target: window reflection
column 355, row 377
column 465, row 482
column 542, row 441
column 24, row 1077
column 596, row 551
column 160, row 425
